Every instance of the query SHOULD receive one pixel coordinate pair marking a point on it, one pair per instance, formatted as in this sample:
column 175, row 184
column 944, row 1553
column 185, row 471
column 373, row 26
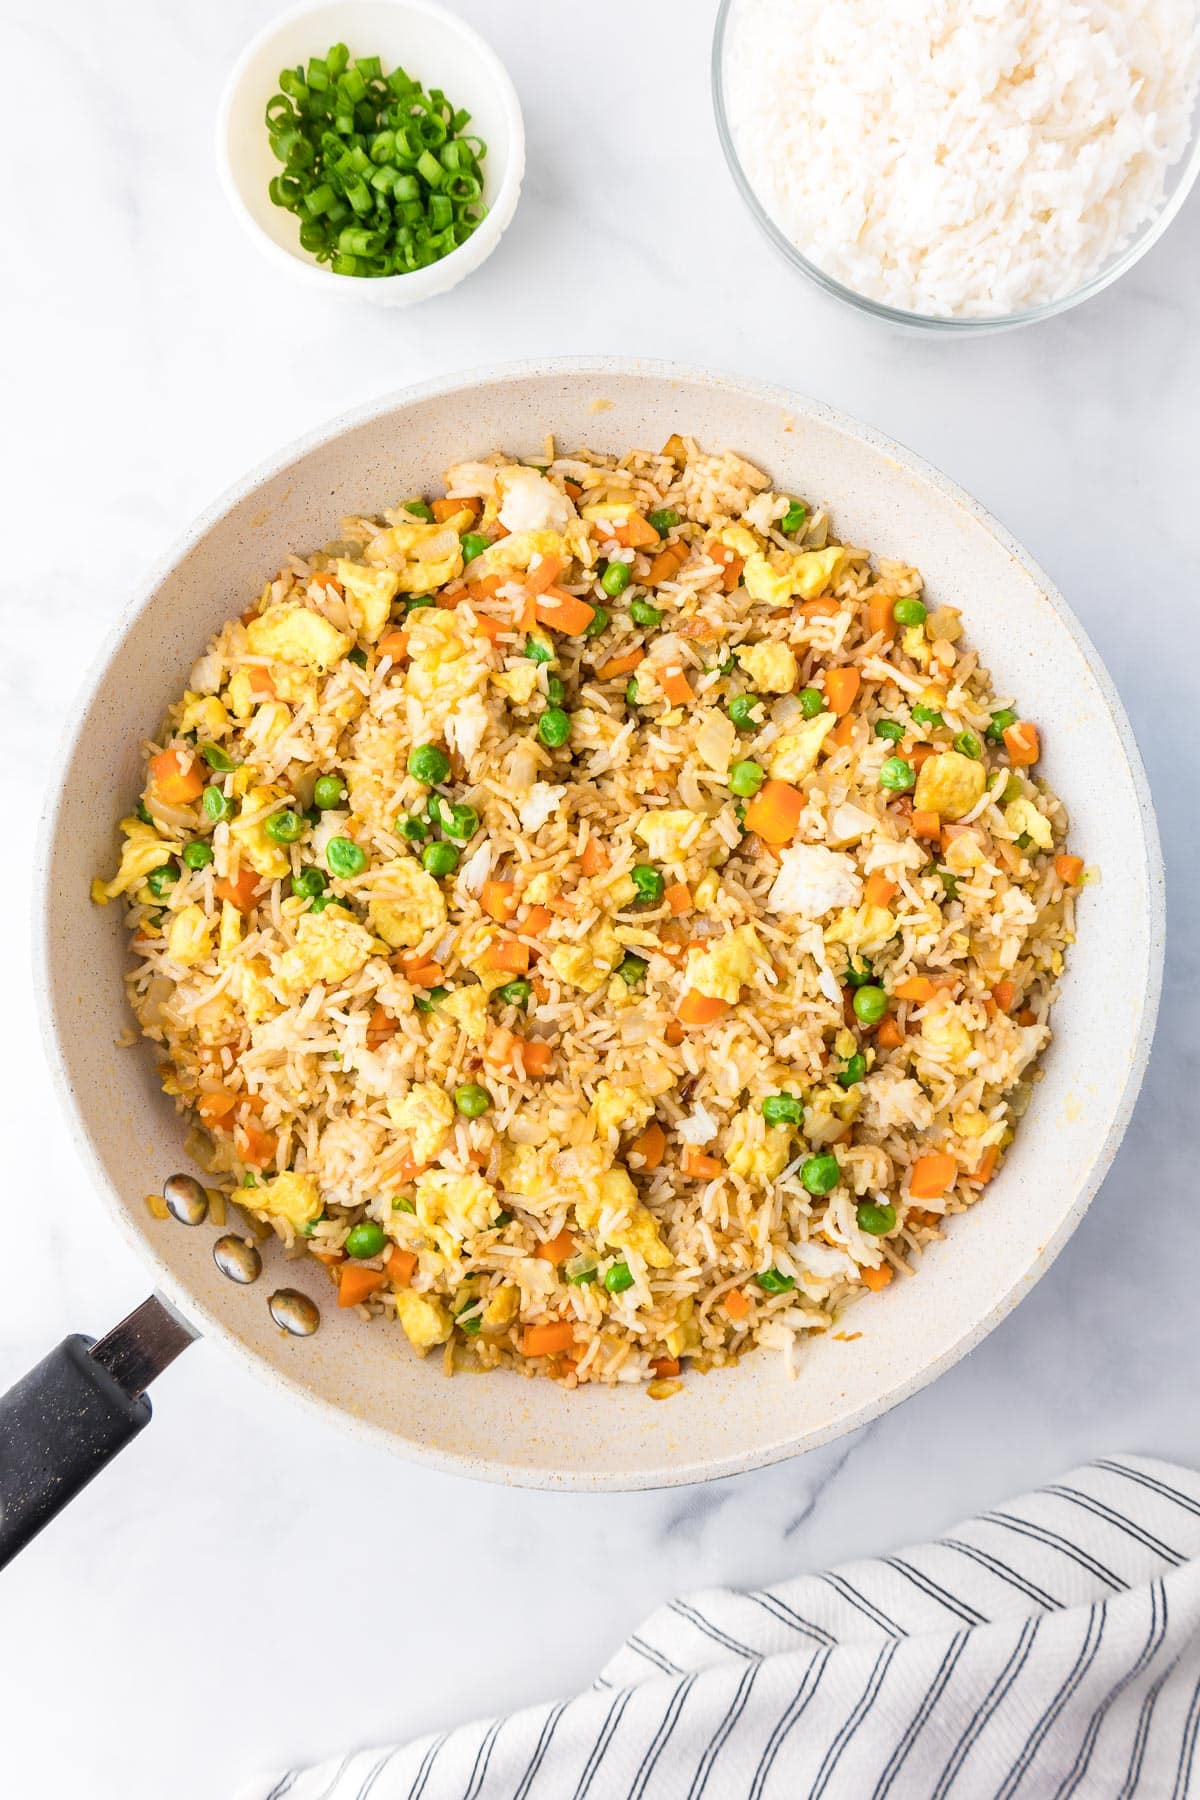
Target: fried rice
column 608, row 920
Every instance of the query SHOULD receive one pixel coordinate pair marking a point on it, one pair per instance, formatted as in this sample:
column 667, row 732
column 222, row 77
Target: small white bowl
column 432, row 45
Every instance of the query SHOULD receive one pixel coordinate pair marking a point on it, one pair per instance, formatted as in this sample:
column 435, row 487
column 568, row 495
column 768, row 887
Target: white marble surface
column 246, row 1586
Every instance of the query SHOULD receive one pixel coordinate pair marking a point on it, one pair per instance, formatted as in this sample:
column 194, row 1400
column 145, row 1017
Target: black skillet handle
column 71, row 1414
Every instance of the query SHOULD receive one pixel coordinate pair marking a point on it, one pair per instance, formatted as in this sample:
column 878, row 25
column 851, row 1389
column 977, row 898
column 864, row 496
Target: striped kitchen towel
column 1048, row 1648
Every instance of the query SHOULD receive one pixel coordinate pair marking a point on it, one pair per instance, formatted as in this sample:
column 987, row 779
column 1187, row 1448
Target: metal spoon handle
column 71, row 1414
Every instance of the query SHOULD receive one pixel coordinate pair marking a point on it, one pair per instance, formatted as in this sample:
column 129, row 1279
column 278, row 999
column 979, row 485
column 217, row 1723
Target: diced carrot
column 536, row 1055
column 733, row 573
column 667, row 564
column 408, row 1170
column 485, row 587
column 445, row 508
column 561, row 611
column 356, row 1282
column 890, row 1034
column 922, row 1216
column 1027, row 1016
column 499, row 898
column 701, row 1009
column 535, row 921
column 215, row 1108
column 544, row 574
column 394, row 644
column 876, row 1279
column 915, row 987
column 380, row 1027
column 986, row 1166
column 255, row 1147
column 260, row 683
column 920, row 753
column 624, row 664
column 547, row 1340
column 636, row 533
column 1069, row 869
column 674, row 1033
column 557, row 1249
column 774, row 812
column 492, row 629
column 239, row 893
column 447, row 598
column 736, row 1304
column 650, row 1146
column 698, row 1165
column 926, row 824
column 932, row 1175
column 325, row 578
column 176, row 778
column 823, row 608
column 843, row 732
column 329, row 1257
column 879, row 616
column 665, row 1366
column 1022, row 743
column 595, row 857
column 573, row 488
column 676, row 686
column 500, row 1047
column 700, row 630
column 423, row 974
column 879, row 889
column 678, row 897
column 400, row 1266
column 508, row 954
column 1004, row 993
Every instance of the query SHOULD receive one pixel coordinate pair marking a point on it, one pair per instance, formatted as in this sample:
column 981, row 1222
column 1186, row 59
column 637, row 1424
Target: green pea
column 419, row 509
column 357, row 657
column 597, row 625
column 308, row 884
column 783, row 1109
column 812, row 702
column 425, row 1003
column 870, row 1004
column 632, row 969
column 926, row 715
column 1014, row 787
column 428, row 764
column 772, row 1281
column 365, row 1239
column 967, row 744
column 663, row 519
column 328, row 791
column 462, row 823
column 216, row 806
column 618, row 1278
column 471, row 1100
column 142, row 814
column 820, row 1174
column 433, row 810
column 554, row 727
column 162, row 878
column 286, row 827
column 896, row 775
column 556, row 693
column 909, row 612
column 649, row 884
column 309, row 1227
column 853, row 1072
column 473, row 545
column 415, row 602
column 642, row 613
column 793, row 518
column 539, row 649
column 631, row 691
column 217, row 759
column 343, row 857
column 197, row 855
column 320, row 903
column 888, row 728
column 1000, row 723
column 615, row 579
column 501, row 1220
column 439, row 860
column 514, row 993
column 412, row 828
column 859, row 973
column 745, row 779
column 875, row 1220
column 403, row 1204
column 1024, row 841
column 949, row 882
column 742, row 709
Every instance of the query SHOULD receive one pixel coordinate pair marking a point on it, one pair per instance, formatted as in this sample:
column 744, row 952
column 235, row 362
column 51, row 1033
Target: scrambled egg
column 949, row 784
column 452, row 1207
column 189, row 938
column 528, row 502
column 406, row 905
column 264, row 855
column 446, row 666
column 426, row 1114
column 812, row 881
column 288, row 1196
column 291, row 633
column 636, row 1228
column 755, row 1150
column 204, row 714
column 468, row 1007
column 422, row 556
column 142, row 851
column 254, row 995
column 862, row 928
column 518, row 682
column 776, row 579
column 425, row 1321
column 500, row 1309
column 669, row 835
column 771, row 667
column 943, row 1032
column 588, row 965
column 229, row 933
column 1023, row 818
column 330, row 947
column 527, row 1171
column 794, row 753
column 269, row 723
column 369, row 596
column 721, row 971
column 615, row 1107
column 513, row 555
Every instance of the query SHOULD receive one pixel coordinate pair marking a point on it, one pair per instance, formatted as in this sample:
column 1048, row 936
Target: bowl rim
column 385, row 288
column 1143, row 240
column 209, row 1322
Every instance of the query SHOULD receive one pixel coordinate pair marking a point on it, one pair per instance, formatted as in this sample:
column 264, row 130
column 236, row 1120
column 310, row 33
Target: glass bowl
column 1181, row 178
